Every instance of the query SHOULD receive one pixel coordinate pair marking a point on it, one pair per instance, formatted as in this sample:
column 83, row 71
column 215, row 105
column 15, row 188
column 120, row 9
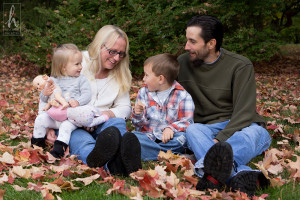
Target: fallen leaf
column 52, row 187
column 7, row 158
column 19, row 171
column 88, row 180
column 18, row 188
column 2, row 193
column 47, row 195
column 3, row 179
column 275, row 169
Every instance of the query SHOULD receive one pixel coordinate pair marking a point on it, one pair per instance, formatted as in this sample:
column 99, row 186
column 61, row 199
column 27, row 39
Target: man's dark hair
column 211, row 27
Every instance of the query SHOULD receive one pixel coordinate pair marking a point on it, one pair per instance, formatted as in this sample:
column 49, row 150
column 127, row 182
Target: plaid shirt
column 177, row 112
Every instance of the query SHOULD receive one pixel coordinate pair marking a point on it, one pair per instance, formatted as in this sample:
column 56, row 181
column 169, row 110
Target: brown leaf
column 171, row 168
column 191, row 179
column 2, row 193
column 47, row 195
column 118, row 185
column 58, row 181
column 69, row 186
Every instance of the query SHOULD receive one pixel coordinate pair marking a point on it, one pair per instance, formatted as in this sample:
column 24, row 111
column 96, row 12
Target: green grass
column 289, row 191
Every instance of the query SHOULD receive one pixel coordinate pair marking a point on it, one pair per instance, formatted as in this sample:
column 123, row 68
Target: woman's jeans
column 246, row 144
column 82, row 142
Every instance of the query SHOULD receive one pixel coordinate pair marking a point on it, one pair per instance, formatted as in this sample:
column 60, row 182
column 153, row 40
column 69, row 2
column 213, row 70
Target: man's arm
column 244, row 102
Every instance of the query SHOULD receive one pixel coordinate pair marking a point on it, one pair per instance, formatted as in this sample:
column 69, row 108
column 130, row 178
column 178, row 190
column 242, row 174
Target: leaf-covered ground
column 25, row 168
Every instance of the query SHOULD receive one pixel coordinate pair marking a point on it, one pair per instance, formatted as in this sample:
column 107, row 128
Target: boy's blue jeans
column 82, row 142
column 150, row 149
column 246, row 144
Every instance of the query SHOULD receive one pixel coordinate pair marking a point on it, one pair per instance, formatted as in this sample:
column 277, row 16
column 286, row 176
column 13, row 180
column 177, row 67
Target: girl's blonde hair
column 108, row 35
column 60, row 59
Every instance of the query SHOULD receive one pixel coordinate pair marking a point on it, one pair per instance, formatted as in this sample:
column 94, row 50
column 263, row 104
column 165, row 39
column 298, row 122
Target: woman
column 106, row 65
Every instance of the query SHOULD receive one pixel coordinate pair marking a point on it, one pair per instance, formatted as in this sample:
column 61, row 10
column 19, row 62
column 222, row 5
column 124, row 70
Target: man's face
column 195, row 44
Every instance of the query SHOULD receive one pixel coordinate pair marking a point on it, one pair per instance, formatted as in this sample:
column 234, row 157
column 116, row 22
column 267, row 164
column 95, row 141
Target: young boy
column 163, row 109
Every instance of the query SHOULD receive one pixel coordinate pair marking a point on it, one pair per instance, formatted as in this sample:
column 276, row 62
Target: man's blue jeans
column 82, row 142
column 246, row 144
column 150, row 149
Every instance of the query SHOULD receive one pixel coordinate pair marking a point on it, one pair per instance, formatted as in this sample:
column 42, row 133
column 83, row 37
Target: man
column 227, row 132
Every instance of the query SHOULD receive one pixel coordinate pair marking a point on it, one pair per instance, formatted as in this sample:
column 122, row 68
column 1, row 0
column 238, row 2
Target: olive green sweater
column 223, row 90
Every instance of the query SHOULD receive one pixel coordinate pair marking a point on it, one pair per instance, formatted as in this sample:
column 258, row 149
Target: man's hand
column 48, row 90
column 216, row 141
column 73, row 103
column 139, row 108
column 167, row 135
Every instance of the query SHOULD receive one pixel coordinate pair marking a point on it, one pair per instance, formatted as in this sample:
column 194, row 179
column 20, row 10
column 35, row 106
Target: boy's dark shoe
column 59, row 149
column 249, row 181
column 38, row 142
column 218, row 164
column 106, row 147
column 131, row 152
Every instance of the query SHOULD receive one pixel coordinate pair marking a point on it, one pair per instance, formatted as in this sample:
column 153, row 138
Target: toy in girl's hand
column 55, row 99
column 81, row 116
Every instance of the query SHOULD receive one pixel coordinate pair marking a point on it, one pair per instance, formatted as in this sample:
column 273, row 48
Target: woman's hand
column 48, row 90
column 109, row 113
column 50, row 137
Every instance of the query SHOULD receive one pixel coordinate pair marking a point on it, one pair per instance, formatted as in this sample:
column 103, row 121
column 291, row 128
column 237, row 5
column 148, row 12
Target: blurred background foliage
column 254, row 28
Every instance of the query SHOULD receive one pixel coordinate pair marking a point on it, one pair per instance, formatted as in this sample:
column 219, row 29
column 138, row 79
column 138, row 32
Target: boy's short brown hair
column 164, row 64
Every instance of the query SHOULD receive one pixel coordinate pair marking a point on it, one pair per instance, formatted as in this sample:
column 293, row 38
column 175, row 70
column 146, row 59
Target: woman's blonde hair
column 60, row 59
column 108, row 35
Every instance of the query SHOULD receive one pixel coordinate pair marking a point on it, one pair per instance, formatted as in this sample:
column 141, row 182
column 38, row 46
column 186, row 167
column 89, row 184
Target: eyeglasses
column 114, row 52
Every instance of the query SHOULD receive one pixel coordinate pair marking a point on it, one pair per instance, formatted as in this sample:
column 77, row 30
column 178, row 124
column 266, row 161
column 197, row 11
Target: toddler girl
column 65, row 72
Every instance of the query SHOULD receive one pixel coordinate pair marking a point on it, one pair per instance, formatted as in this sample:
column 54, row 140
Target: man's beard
column 196, row 62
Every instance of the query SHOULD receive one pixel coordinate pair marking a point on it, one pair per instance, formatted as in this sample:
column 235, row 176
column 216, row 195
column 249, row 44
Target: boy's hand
column 139, row 108
column 73, row 103
column 167, row 135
